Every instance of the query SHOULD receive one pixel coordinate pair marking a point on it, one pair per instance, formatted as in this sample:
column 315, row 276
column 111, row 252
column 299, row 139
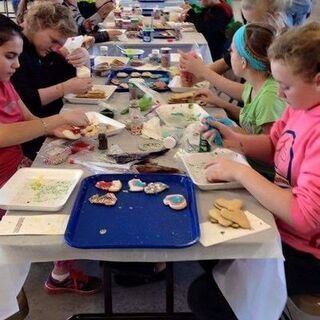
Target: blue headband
column 239, row 41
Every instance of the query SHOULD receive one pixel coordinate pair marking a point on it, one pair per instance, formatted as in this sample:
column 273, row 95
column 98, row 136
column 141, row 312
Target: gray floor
column 149, row 298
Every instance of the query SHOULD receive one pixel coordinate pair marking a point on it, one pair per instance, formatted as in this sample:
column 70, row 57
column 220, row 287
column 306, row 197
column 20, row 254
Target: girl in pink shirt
column 18, row 125
column 293, row 145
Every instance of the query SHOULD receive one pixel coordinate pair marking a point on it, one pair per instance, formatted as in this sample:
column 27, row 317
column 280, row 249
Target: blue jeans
column 15, row 5
column 298, row 12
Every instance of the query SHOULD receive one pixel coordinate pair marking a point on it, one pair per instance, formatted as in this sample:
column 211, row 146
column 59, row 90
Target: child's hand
column 230, row 138
column 77, row 85
column 184, row 13
column 78, row 57
column 192, row 64
column 114, row 34
column 76, row 118
column 88, row 41
column 206, row 96
column 222, row 169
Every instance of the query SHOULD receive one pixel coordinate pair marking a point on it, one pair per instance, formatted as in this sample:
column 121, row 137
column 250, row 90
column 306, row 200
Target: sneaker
column 77, row 282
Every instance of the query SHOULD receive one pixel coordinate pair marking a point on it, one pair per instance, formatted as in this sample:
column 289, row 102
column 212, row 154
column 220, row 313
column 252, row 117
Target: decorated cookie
column 124, row 85
column 136, row 185
column 108, row 199
column 111, row 186
column 122, row 75
column 146, row 74
column 175, row 201
column 135, row 75
column 116, row 82
column 155, row 76
column 155, row 187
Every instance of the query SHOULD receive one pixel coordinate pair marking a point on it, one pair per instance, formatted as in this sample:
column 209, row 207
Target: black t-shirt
column 212, row 22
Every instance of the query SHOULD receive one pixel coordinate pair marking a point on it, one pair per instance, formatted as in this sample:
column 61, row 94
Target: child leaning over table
column 18, row 125
column 294, row 146
column 45, row 75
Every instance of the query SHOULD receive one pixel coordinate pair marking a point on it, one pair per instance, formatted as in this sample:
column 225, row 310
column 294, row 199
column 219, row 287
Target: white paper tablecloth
column 12, row 277
column 189, row 41
column 16, row 252
column 254, row 288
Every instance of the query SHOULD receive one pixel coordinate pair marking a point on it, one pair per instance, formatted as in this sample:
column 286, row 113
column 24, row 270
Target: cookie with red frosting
column 111, row 186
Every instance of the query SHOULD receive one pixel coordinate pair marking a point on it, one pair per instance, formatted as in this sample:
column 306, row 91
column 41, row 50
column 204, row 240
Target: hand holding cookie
column 223, row 170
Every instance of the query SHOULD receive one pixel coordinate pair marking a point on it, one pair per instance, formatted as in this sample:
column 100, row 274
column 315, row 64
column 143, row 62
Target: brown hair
column 46, row 14
column 258, row 38
column 300, row 48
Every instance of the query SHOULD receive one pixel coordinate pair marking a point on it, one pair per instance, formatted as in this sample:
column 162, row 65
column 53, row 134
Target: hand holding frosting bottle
column 72, row 44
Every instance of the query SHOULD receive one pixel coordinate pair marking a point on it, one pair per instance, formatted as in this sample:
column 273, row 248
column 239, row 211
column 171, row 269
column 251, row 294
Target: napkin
column 213, row 233
column 53, row 224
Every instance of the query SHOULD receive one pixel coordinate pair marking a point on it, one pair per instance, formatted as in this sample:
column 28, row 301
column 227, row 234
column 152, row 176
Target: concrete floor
column 149, row 298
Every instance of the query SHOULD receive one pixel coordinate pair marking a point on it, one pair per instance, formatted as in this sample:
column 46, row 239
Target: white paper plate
column 176, row 86
column 195, row 163
column 96, row 118
column 39, row 189
column 180, row 115
column 109, row 90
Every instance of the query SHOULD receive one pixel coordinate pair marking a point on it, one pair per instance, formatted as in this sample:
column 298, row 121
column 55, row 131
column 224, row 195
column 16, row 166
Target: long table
column 250, row 259
column 189, row 41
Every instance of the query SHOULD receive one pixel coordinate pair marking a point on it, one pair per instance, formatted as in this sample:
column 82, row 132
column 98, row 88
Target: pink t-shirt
column 10, row 112
column 296, row 138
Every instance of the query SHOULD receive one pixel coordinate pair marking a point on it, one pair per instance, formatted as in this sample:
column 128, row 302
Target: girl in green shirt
column 249, row 60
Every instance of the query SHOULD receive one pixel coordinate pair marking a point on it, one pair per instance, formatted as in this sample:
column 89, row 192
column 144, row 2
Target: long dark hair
column 8, row 29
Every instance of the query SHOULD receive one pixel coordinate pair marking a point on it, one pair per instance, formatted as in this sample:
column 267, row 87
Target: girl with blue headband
column 261, row 104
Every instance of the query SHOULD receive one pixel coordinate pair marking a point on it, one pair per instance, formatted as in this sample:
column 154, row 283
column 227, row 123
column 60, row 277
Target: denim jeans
column 298, row 12
column 15, row 5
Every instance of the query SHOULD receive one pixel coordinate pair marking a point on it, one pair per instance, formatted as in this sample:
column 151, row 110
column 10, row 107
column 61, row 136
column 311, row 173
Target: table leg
column 109, row 315
column 107, row 281
column 169, row 288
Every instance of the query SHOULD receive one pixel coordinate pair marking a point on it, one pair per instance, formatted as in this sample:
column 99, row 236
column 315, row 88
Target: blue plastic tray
column 161, row 34
column 165, row 76
column 137, row 220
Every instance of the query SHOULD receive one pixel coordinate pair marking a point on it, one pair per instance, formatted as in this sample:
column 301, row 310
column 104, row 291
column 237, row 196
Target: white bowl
column 130, row 53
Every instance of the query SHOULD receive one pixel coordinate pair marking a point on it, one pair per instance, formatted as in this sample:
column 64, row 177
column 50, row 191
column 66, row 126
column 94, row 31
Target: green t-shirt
column 266, row 107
